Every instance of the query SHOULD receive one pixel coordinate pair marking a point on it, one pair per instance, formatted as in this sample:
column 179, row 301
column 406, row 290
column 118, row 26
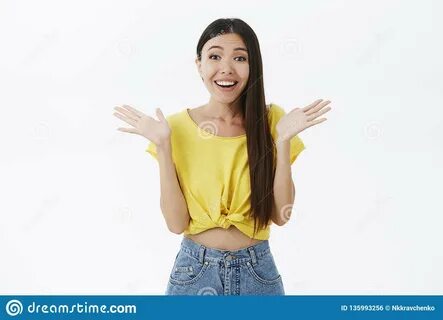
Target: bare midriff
column 223, row 239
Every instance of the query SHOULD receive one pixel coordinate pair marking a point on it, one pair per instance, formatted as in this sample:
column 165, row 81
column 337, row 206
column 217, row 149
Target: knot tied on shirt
column 225, row 220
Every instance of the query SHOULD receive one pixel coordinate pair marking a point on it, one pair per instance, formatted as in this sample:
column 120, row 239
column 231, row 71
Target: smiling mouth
column 226, row 85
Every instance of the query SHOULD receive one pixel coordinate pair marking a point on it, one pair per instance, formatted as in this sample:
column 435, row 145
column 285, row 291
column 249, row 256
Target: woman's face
column 224, row 61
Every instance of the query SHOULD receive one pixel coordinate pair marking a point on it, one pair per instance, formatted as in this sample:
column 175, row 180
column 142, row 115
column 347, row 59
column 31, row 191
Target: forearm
column 172, row 201
column 284, row 193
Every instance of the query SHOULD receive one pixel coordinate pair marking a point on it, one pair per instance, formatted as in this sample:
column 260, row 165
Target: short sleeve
column 296, row 143
column 152, row 149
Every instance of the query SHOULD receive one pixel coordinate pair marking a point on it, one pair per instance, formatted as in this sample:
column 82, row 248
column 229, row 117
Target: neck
column 223, row 111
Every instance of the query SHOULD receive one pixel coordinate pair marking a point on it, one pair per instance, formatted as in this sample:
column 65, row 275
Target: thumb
column 295, row 109
column 159, row 114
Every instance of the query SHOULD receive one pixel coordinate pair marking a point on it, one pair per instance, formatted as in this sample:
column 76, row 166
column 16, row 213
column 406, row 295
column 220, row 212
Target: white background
column 80, row 201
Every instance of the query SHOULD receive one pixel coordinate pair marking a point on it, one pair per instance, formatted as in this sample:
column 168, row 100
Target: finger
column 318, row 114
column 316, row 122
column 312, row 105
column 160, row 115
column 128, row 121
column 318, row 107
column 130, row 130
column 129, row 114
column 138, row 113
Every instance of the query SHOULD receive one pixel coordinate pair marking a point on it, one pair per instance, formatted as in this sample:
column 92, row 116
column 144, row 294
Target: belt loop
column 253, row 256
column 201, row 254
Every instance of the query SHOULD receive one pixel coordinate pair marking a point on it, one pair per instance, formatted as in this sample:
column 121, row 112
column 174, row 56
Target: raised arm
column 172, row 201
column 289, row 126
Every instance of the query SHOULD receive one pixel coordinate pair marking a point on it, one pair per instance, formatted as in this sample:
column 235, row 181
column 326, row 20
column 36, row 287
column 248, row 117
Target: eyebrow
column 235, row 49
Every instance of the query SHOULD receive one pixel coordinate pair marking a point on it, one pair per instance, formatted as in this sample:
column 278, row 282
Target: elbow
column 285, row 212
column 281, row 218
column 178, row 228
column 280, row 222
column 176, row 223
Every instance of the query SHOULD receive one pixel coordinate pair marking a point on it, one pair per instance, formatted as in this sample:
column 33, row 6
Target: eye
column 244, row 59
column 213, row 55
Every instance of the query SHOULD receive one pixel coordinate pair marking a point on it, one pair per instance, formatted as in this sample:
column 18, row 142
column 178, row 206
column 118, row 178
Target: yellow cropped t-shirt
column 213, row 173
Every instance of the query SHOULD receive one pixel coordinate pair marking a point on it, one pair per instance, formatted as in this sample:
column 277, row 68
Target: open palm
column 156, row 131
column 299, row 119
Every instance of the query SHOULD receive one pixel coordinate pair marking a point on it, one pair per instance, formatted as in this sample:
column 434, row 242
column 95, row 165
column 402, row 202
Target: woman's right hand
column 156, row 131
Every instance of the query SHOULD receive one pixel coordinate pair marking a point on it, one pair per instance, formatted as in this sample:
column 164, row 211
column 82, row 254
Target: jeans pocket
column 187, row 269
column 264, row 271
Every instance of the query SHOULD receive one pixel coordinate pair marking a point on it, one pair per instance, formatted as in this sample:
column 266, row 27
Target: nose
column 226, row 68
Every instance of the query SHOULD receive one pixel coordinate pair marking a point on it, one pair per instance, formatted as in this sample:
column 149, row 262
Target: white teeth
column 225, row 83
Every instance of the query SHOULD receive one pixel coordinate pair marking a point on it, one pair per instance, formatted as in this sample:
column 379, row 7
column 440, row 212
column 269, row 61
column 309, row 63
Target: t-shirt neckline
column 209, row 133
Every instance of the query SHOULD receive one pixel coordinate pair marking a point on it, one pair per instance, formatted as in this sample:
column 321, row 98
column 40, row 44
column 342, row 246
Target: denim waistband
column 202, row 252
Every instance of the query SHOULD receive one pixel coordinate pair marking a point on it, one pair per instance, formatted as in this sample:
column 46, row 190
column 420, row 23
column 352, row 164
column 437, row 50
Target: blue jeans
column 199, row 270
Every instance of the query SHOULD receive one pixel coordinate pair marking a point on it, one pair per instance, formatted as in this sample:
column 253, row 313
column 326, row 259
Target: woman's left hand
column 299, row 119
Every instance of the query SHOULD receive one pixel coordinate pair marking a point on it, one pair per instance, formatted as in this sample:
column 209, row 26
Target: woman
column 225, row 172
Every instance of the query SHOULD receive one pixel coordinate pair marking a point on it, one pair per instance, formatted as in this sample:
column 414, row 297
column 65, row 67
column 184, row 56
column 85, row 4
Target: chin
column 226, row 100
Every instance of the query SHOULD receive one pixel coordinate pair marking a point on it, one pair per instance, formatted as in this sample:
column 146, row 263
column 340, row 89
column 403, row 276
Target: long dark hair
column 260, row 144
